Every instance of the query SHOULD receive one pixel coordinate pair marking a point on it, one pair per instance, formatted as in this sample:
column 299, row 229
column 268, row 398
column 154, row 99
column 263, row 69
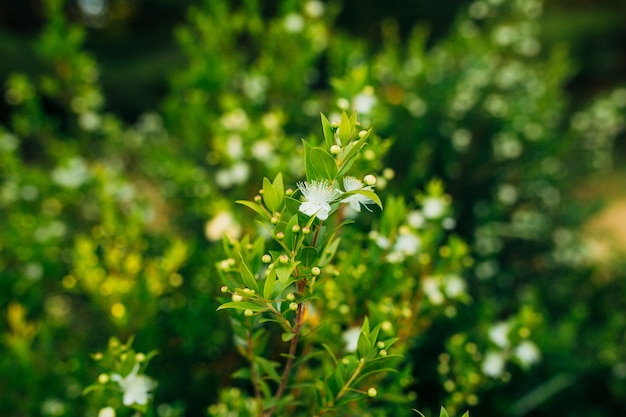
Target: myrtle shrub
column 223, row 255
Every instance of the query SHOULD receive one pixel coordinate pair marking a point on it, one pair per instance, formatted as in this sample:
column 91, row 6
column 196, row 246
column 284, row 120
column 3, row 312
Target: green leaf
column 284, row 272
column 466, row 414
column 247, row 276
column 268, row 367
column 323, row 164
column 345, row 129
column 270, row 283
column 243, row 305
column 287, row 336
column 289, row 234
column 270, row 196
column 308, row 256
column 443, row 413
column 255, row 207
column 330, row 352
column 329, row 136
column 367, row 193
column 279, row 186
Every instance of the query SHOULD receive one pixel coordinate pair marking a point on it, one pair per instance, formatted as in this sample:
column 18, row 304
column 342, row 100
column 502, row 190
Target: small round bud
column 283, row 259
column 247, row 290
column 280, row 235
column 140, row 357
column 334, row 124
column 362, row 133
column 372, row 392
column 295, row 228
column 237, row 298
column 382, row 352
column 315, row 271
column 103, row 378
column 380, row 344
column 306, row 230
column 266, row 259
column 274, row 220
column 261, row 191
column 224, row 289
column 248, row 313
column 123, row 356
column 369, row 179
column 257, row 198
column 97, row 356
column 289, row 191
column 335, row 149
column 386, row 326
column 345, row 361
column 293, row 306
column 291, row 296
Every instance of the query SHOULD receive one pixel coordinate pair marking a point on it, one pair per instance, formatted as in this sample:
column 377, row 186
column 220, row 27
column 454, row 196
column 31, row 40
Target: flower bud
column 283, row 259
column 288, row 191
column 224, row 289
column 372, row 392
column 103, row 378
column 274, row 220
column 280, row 235
column 291, row 296
column 306, row 230
column 140, row 357
column 293, row 306
column 382, row 352
column 266, row 259
column 335, row 149
column 248, row 313
column 315, row 271
column 237, row 298
column 362, row 133
column 369, row 179
column 257, row 198
column 295, row 228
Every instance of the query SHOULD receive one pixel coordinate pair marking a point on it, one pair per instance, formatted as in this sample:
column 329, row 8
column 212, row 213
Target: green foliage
column 475, row 270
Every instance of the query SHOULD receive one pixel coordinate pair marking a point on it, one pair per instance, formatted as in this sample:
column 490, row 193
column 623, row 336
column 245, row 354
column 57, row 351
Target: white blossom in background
column 499, row 334
column 293, row 23
column 314, row 8
column 351, row 338
column 317, row 195
column 493, row 364
column 222, row 224
column 407, row 243
column 430, row 286
column 356, row 200
column 106, row 412
column 72, row 174
column 454, row 286
column 416, row 219
column 433, row 207
column 527, row 352
column 364, row 102
column 136, row 387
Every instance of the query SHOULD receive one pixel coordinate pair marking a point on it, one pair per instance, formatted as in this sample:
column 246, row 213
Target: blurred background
column 128, row 126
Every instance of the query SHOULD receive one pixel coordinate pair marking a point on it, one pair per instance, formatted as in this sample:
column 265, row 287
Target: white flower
column 223, row 223
column 351, row 338
column 355, row 200
column 527, row 353
column 136, row 387
column 408, row 243
column 318, row 195
column 499, row 334
column 493, row 365
column 106, row 412
column 433, row 207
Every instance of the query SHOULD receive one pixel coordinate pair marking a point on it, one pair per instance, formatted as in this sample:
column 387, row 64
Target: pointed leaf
column 329, row 136
column 247, row 277
column 255, row 207
column 243, row 305
column 345, row 129
column 443, row 413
